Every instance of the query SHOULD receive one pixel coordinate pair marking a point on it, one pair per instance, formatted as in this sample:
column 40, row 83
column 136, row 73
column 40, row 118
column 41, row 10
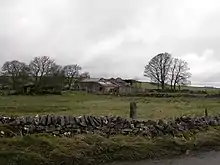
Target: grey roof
column 91, row 80
column 107, row 82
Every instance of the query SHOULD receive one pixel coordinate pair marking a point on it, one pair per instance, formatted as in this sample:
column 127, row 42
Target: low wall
column 108, row 125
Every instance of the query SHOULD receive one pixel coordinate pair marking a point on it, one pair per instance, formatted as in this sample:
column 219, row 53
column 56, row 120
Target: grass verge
column 95, row 149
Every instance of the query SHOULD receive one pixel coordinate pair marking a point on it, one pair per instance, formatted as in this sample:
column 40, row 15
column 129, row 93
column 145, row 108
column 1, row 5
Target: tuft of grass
column 95, row 149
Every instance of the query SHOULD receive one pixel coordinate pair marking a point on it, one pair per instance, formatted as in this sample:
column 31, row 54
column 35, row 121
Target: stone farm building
column 106, row 86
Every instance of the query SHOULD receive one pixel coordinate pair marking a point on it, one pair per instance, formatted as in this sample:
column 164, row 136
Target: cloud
column 113, row 38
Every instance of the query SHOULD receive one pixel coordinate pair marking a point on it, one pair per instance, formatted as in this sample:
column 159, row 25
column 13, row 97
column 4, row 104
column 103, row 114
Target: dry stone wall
column 106, row 125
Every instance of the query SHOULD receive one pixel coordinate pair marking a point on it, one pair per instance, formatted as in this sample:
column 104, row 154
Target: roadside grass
column 95, row 149
column 78, row 103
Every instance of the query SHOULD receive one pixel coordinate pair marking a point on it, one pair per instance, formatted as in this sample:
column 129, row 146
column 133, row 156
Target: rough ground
column 207, row 158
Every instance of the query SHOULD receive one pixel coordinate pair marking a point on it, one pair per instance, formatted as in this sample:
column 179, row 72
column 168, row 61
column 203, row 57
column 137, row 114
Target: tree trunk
column 13, row 83
column 69, row 84
column 162, row 85
column 171, row 85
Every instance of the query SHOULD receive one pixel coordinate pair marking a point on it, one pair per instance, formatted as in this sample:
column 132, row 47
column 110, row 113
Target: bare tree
column 41, row 67
column 158, row 68
column 57, row 71
column 71, row 72
column 85, row 75
column 16, row 71
column 184, row 81
column 173, row 72
column 179, row 73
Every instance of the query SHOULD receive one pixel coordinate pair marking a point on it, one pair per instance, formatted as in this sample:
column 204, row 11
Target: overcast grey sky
column 114, row 37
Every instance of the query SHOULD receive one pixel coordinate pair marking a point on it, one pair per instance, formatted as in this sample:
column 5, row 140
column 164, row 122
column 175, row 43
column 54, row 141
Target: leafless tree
column 71, row 72
column 16, row 71
column 84, row 75
column 57, row 71
column 158, row 69
column 179, row 74
column 173, row 70
column 41, row 67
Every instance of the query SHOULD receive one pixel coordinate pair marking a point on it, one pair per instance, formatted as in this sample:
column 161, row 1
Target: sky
column 114, row 38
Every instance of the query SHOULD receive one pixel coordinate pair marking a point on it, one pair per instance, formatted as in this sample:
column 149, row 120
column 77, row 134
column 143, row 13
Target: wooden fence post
column 133, row 110
column 206, row 112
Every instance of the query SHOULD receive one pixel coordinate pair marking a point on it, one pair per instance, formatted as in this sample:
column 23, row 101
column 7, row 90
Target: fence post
column 206, row 112
column 133, row 110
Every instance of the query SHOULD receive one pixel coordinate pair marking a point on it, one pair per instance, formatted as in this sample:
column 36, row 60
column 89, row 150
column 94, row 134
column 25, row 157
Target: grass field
column 87, row 104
